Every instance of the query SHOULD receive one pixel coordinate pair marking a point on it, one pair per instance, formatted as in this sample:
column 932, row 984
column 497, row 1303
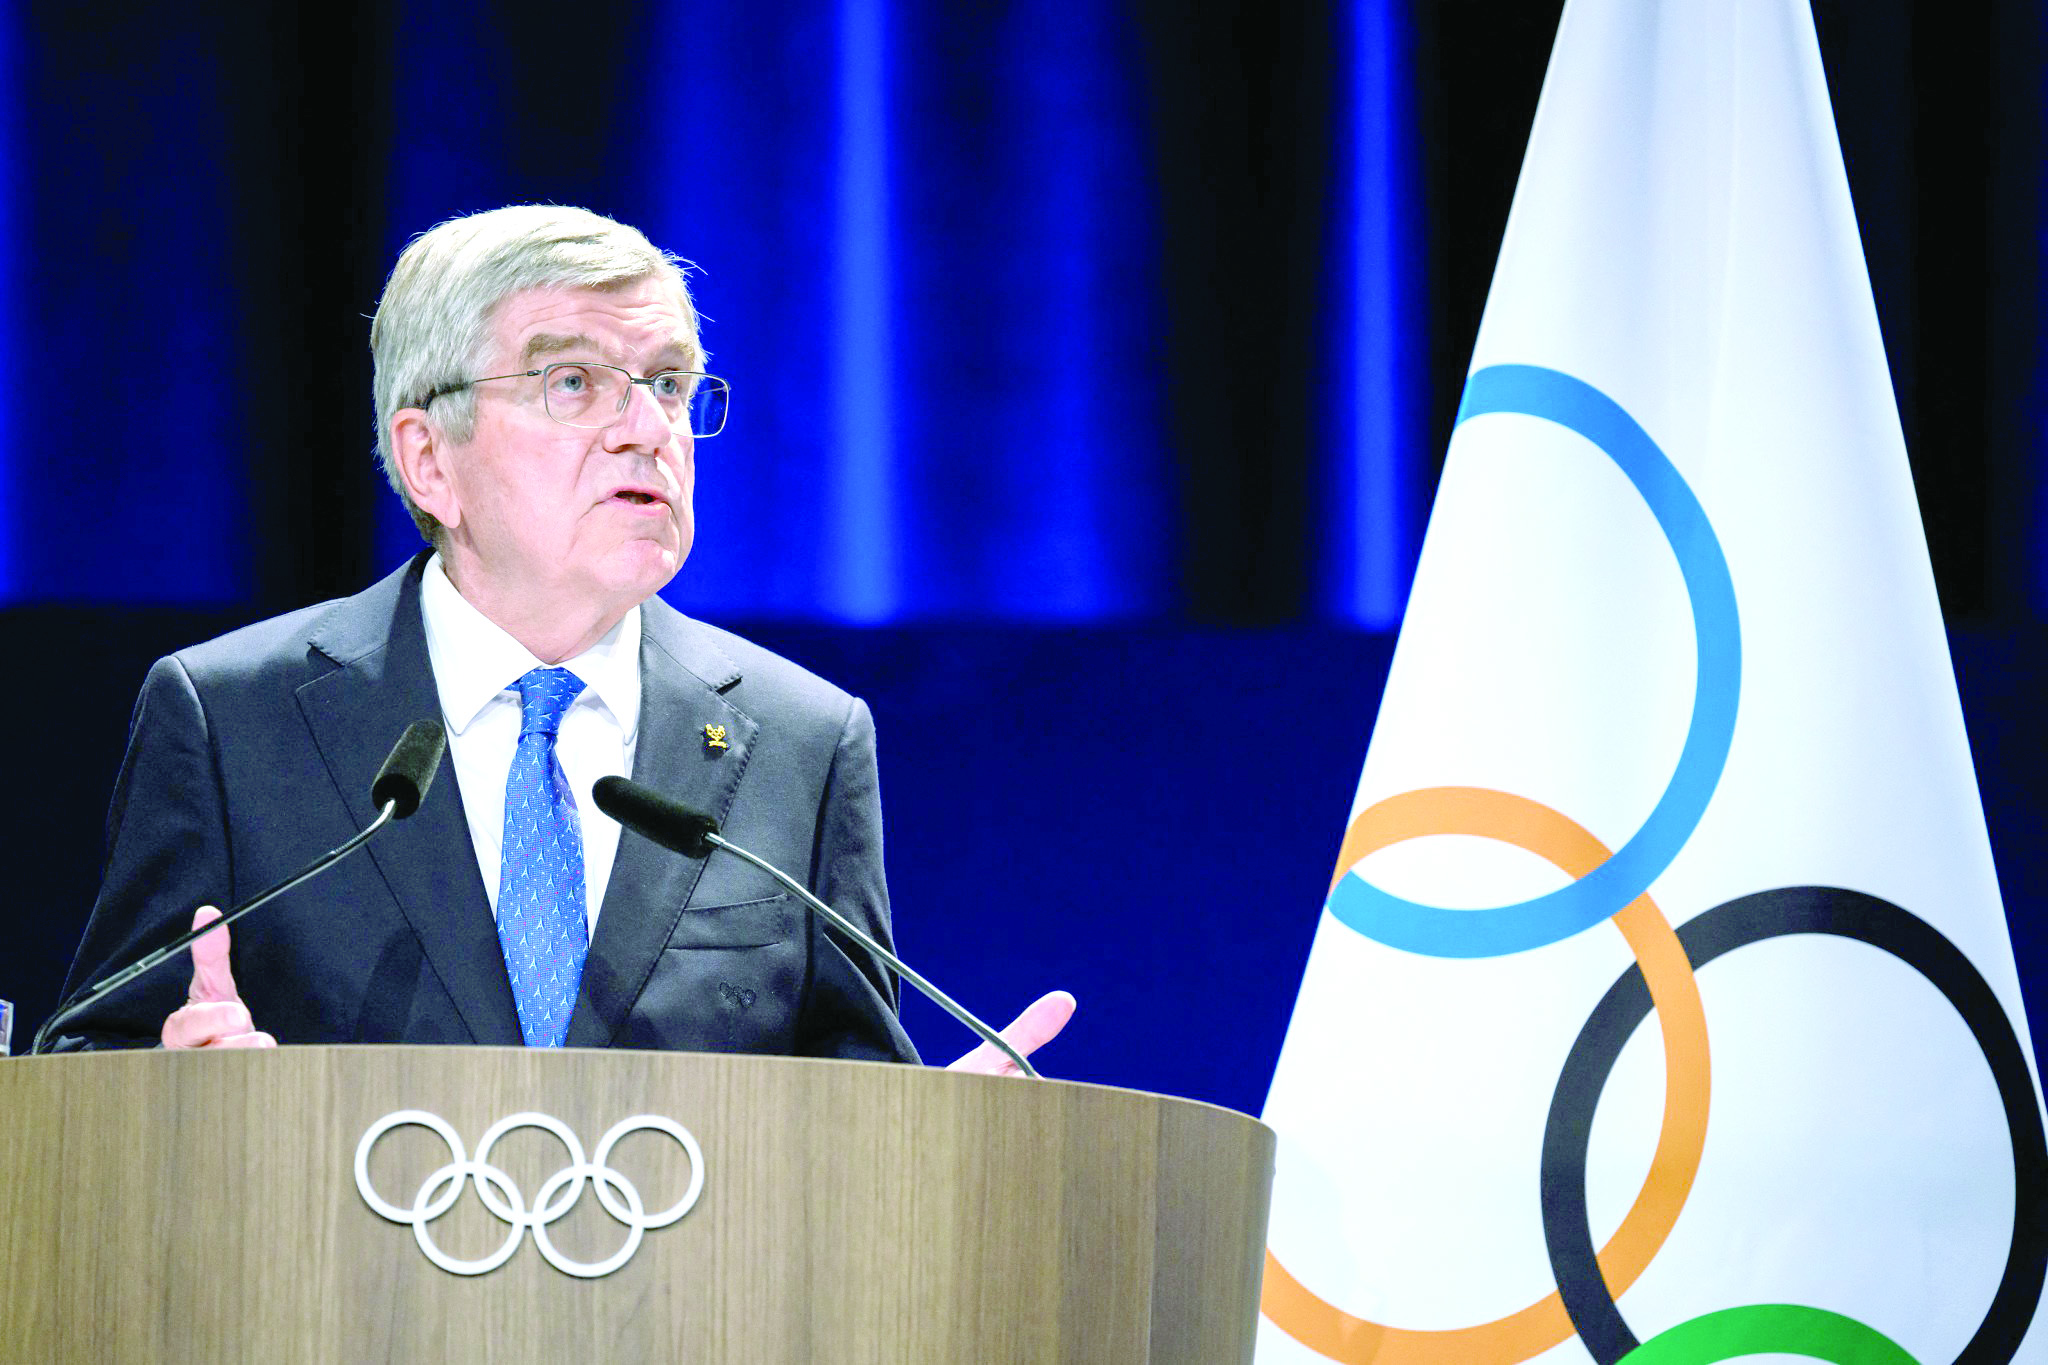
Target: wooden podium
column 206, row 1207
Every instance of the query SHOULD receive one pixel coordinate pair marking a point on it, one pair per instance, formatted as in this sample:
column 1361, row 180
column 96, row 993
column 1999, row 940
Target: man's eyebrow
column 548, row 343
column 679, row 354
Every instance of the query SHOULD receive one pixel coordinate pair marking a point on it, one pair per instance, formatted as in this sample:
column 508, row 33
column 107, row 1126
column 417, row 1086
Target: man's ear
column 422, row 455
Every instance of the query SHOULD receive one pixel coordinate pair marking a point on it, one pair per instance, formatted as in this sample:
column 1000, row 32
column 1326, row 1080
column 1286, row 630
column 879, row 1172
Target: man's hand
column 214, row 1015
column 1038, row 1025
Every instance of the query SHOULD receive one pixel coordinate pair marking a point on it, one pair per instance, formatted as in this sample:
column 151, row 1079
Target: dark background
column 1122, row 697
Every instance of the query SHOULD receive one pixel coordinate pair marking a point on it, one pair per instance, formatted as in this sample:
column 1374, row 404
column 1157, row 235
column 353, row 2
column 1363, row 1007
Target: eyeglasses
column 580, row 393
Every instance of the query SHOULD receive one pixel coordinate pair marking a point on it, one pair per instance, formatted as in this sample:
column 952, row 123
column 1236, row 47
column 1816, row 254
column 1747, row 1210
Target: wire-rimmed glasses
column 584, row 393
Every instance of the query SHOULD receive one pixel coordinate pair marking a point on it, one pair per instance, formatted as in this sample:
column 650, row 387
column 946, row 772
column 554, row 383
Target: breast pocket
column 757, row 923
column 731, row 979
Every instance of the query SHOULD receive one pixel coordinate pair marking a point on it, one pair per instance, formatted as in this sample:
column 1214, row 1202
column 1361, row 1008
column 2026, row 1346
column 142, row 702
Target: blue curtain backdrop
column 125, row 476
column 13, row 260
column 1373, row 451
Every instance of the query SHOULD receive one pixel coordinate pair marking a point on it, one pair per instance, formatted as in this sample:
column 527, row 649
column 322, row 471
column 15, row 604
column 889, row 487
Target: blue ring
column 1437, row 931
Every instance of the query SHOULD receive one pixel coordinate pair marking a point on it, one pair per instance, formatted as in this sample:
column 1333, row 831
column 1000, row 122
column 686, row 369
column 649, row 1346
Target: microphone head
column 652, row 815
column 403, row 780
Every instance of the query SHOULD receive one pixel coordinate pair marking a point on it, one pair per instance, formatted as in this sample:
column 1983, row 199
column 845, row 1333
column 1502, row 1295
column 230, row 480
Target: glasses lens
column 708, row 405
column 584, row 395
column 579, row 394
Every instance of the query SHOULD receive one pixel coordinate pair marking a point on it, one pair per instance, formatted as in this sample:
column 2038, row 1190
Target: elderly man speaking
column 540, row 389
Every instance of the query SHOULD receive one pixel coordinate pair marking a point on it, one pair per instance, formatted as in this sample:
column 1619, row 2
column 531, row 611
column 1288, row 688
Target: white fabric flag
column 1663, row 1007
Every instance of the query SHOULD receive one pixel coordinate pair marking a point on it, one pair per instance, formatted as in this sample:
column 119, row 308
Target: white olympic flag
column 1663, row 1008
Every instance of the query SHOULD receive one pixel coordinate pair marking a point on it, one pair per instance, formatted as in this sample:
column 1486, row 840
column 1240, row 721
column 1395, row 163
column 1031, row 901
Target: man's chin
column 643, row 568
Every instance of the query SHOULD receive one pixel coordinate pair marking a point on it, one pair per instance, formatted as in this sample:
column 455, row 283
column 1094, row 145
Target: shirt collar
column 474, row 658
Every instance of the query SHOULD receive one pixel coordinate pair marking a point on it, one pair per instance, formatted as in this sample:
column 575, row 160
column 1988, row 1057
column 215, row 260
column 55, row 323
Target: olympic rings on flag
column 1536, row 828
column 1616, row 886
column 1598, row 894
column 439, row 1192
column 1737, row 923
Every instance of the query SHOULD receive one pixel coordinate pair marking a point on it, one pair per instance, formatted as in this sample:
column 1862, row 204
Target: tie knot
column 544, row 694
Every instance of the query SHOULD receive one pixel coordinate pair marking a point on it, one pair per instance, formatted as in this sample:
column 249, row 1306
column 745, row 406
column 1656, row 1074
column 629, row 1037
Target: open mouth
column 638, row 499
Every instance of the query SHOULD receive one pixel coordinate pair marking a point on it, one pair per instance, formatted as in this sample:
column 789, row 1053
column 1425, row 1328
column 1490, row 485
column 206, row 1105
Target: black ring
column 1567, row 1230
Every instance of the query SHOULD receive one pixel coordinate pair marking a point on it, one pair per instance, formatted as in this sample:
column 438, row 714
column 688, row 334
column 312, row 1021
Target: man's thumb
column 212, row 978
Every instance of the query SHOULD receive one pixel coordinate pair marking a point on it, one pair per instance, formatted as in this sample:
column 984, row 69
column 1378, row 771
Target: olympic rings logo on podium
column 439, row 1192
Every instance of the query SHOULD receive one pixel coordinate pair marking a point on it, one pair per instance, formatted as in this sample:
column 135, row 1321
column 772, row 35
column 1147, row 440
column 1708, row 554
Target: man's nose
column 642, row 425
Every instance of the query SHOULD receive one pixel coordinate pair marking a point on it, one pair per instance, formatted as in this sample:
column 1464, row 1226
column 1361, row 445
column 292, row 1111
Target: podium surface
column 189, row 1206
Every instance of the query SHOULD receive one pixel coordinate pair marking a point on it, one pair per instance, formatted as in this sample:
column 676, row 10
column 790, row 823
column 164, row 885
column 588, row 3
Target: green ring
column 1786, row 1328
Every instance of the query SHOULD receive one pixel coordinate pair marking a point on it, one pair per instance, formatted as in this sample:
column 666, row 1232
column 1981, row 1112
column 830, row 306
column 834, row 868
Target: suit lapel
column 384, row 682
column 682, row 676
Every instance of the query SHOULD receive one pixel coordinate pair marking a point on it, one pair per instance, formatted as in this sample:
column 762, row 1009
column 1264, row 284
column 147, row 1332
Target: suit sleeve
column 167, row 854
column 849, row 1007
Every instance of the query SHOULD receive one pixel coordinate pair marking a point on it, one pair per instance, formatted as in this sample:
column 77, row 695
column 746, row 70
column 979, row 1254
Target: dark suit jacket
column 251, row 754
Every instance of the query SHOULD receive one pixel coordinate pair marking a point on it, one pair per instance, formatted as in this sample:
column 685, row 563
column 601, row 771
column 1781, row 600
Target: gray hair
column 433, row 325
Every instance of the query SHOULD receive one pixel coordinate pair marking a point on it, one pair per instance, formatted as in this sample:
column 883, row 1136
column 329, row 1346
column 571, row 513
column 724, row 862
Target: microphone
column 409, row 770
column 694, row 834
column 646, row 811
column 401, row 784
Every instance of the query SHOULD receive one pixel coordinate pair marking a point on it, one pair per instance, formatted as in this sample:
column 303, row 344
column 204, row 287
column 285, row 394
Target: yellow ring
column 1529, row 825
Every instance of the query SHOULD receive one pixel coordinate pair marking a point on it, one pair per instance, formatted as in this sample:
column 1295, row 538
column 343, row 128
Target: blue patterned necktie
column 542, row 910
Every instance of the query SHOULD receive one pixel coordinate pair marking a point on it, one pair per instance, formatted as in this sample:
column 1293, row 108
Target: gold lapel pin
column 714, row 737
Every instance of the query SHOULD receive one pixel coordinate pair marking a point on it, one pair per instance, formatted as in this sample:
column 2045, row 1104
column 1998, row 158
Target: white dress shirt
column 476, row 668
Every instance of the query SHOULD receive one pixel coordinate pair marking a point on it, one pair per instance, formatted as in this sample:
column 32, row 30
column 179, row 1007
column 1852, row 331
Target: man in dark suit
column 540, row 388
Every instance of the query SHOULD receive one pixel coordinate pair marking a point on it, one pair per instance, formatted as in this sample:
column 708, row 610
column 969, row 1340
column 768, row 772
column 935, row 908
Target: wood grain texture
column 200, row 1206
